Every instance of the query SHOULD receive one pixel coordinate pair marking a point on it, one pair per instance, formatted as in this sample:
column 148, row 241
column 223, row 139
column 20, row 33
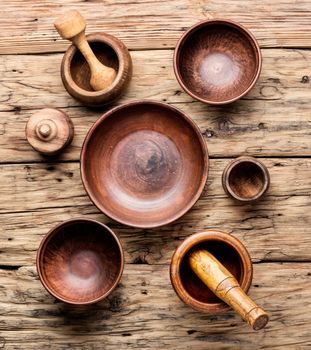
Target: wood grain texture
column 219, row 280
column 191, row 286
column 125, row 319
column 276, row 110
column 35, row 197
column 151, row 24
column 273, row 120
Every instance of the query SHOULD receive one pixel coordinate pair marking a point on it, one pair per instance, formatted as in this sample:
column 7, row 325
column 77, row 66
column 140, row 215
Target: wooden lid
column 49, row 131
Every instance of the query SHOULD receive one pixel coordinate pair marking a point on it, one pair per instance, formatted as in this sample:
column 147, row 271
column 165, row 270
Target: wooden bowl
column 228, row 250
column 246, row 179
column 217, row 61
column 144, row 164
column 75, row 71
column 80, row 261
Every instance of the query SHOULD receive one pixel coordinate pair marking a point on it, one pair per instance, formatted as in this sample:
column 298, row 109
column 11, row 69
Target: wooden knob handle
column 221, row 282
column 49, row 131
column 72, row 26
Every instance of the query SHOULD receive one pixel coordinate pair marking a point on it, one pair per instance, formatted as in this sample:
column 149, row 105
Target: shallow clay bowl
column 228, row 250
column 246, row 179
column 75, row 71
column 217, row 61
column 80, row 261
column 144, row 164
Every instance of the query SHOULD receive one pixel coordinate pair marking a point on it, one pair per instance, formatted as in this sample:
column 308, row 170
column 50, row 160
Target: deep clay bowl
column 217, row 61
column 75, row 71
column 144, row 164
column 228, row 250
column 80, row 261
column 246, row 179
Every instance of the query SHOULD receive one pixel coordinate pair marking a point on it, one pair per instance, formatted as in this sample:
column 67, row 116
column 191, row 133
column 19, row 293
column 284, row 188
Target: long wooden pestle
column 71, row 26
column 223, row 284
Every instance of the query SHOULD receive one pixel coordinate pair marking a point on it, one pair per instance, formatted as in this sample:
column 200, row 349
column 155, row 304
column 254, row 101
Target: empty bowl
column 80, row 261
column 144, row 163
column 76, row 74
column 228, row 250
column 217, row 61
column 246, row 179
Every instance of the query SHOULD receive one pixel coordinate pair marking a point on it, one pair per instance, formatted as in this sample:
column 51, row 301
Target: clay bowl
column 228, row 250
column 217, row 61
column 245, row 179
column 144, row 164
column 80, row 261
column 75, row 71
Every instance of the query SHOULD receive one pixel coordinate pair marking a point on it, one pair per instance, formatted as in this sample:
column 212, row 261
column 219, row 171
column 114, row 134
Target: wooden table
column 272, row 122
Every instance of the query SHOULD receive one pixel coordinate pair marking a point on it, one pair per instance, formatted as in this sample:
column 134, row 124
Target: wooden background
column 272, row 122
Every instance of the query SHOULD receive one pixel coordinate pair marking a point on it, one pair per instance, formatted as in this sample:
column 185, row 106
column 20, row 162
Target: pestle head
column 70, row 24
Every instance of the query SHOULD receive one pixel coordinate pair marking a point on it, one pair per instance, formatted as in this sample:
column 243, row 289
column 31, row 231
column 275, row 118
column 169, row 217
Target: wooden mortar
column 76, row 73
column 72, row 26
column 211, row 270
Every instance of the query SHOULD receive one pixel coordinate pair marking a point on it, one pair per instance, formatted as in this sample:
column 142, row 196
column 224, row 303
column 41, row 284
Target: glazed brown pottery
column 144, row 164
column 230, row 252
column 49, row 131
column 80, row 261
column 217, row 61
column 76, row 75
column 246, row 179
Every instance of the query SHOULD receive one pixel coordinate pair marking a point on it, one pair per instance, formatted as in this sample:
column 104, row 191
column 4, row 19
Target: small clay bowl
column 80, row 261
column 75, row 71
column 228, row 250
column 245, row 179
column 217, row 61
column 144, row 164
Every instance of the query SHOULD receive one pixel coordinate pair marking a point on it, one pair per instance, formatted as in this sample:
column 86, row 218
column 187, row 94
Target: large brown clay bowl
column 80, row 261
column 217, row 61
column 144, row 164
column 228, row 250
column 76, row 74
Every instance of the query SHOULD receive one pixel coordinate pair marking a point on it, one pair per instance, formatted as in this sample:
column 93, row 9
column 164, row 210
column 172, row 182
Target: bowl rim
column 54, row 231
column 114, row 43
column 200, row 237
column 191, row 123
column 228, row 23
column 236, row 162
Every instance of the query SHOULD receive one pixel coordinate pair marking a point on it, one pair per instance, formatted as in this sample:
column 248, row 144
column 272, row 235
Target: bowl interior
column 144, row 164
column 80, row 70
column 217, row 62
column 80, row 262
column 246, row 179
column 226, row 254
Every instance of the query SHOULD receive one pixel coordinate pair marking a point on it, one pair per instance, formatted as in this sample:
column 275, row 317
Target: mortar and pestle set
column 145, row 164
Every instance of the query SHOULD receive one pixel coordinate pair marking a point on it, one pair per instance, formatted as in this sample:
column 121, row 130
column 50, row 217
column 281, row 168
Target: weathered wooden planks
column 273, row 120
column 35, row 197
column 145, row 313
column 151, row 24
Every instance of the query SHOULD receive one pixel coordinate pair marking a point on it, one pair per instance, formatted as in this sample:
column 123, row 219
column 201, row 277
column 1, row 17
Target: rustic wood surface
column 272, row 122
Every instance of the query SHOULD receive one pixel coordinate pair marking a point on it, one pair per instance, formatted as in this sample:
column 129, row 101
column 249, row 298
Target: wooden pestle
column 71, row 26
column 221, row 282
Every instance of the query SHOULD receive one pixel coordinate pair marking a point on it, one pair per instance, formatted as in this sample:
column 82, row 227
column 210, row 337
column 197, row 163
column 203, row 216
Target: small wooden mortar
column 246, row 179
column 214, row 264
column 99, row 71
